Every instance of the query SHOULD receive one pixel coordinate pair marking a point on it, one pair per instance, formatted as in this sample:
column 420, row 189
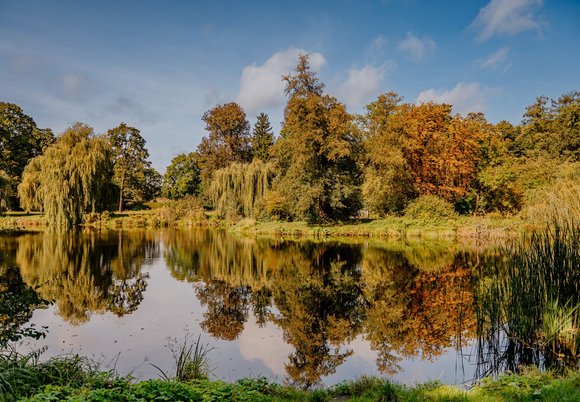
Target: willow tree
column 239, row 189
column 130, row 162
column 71, row 178
column 316, row 155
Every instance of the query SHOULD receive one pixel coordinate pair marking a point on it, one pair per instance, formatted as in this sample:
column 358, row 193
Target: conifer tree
column 262, row 138
column 316, row 154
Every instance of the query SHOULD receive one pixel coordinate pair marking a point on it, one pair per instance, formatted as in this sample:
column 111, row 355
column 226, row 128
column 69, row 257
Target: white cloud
column 507, row 17
column 360, row 85
column 261, row 86
column 496, row 59
column 465, row 97
column 416, row 47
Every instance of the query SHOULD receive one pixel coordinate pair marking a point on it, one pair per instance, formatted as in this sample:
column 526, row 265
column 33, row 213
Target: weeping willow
column 70, row 178
column 5, row 190
column 238, row 190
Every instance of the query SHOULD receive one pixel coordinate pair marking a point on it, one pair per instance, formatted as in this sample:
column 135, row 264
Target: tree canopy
column 71, row 178
column 262, row 138
column 130, row 160
column 228, row 139
column 20, row 141
column 182, row 177
column 318, row 176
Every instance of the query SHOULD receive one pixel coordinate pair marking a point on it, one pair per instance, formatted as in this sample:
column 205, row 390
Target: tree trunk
column 121, row 194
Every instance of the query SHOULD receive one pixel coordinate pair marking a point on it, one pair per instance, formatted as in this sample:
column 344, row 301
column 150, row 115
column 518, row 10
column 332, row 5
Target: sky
column 159, row 65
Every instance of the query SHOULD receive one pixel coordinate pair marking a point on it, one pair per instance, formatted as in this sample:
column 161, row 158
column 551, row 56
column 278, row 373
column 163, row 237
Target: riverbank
column 533, row 385
column 462, row 227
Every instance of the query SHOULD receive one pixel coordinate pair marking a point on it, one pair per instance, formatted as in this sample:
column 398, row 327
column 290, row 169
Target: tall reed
column 528, row 308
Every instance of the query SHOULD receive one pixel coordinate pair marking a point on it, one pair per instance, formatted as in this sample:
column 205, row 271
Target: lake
column 305, row 312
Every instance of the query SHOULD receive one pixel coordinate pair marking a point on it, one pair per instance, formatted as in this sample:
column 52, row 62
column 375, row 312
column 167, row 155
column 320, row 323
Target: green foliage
column 239, row 189
column 430, row 208
column 552, row 127
column 188, row 210
column 129, row 164
column 20, row 141
column 6, row 190
column 318, row 177
column 191, row 359
column 228, row 139
column 22, row 375
column 262, row 138
column 71, row 178
column 182, row 177
column 534, row 300
column 499, row 189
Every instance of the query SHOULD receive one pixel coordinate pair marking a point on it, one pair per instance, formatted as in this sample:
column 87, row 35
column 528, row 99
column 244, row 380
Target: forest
column 326, row 165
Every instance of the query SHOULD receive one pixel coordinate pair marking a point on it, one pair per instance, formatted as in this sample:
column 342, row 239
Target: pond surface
column 304, row 312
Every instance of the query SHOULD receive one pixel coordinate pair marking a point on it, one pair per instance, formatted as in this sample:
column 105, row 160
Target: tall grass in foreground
column 529, row 307
column 24, row 374
column 191, row 360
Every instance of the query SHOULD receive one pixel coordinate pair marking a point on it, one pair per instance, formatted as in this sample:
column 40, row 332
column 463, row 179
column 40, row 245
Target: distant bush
column 430, row 208
column 189, row 210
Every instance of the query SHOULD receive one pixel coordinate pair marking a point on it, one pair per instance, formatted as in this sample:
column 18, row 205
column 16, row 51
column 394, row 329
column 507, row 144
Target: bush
column 430, row 208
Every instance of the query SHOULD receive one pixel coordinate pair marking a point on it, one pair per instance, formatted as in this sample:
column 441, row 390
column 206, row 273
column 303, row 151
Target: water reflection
column 87, row 272
column 402, row 300
column 405, row 300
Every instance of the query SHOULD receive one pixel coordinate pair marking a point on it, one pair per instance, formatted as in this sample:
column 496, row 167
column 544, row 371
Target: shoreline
column 390, row 228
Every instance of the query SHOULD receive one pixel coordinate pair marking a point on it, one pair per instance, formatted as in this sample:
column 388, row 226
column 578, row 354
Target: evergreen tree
column 262, row 138
column 316, row 155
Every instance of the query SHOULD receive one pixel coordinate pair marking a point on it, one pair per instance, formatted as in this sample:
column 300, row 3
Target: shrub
column 430, row 208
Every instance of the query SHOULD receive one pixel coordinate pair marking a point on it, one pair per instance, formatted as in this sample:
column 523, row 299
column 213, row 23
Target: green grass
column 531, row 386
column 393, row 228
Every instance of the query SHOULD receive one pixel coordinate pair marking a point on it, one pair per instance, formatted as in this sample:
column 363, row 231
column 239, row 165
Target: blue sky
column 158, row 65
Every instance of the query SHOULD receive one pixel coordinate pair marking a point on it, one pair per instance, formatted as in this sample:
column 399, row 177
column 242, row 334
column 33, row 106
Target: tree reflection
column 405, row 299
column 17, row 303
column 89, row 272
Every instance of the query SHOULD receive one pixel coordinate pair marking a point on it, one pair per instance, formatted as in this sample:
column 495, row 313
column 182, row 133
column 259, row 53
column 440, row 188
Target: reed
column 529, row 306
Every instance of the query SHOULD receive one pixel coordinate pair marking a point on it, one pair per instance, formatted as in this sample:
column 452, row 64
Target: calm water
column 298, row 311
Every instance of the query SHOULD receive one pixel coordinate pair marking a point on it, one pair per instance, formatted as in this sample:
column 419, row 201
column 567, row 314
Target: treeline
column 325, row 165
column 75, row 173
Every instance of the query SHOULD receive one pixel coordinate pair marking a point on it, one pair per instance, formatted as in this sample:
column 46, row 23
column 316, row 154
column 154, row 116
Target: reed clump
column 529, row 306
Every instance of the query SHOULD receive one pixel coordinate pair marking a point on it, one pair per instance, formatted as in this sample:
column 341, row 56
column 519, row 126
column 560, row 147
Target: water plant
column 191, row 359
column 529, row 306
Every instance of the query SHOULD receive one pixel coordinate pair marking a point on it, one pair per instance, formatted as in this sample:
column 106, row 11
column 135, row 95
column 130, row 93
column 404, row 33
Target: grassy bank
column 104, row 387
column 463, row 227
column 393, row 228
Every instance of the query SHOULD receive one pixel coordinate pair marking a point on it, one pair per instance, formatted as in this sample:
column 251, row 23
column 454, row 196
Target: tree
column 262, row 138
column 20, row 140
column 316, row 155
column 71, row 178
column 152, row 184
column 5, row 190
column 388, row 185
column 228, row 139
column 182, row 177
column 130, row 161
column 239, row 189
